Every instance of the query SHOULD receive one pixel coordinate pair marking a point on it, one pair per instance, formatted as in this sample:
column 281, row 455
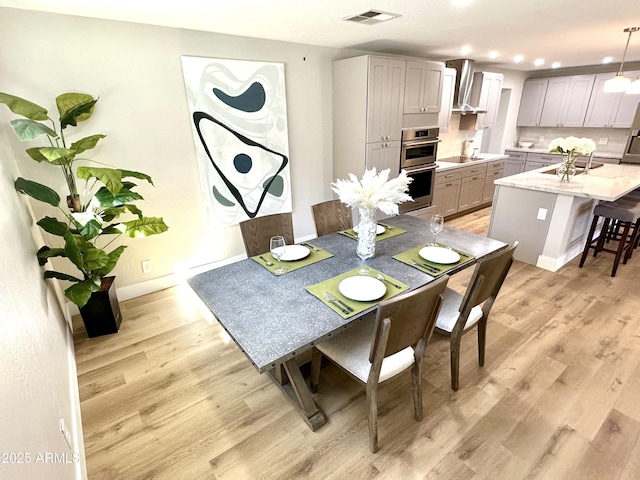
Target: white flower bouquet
column 572, row 146
column 375, row 190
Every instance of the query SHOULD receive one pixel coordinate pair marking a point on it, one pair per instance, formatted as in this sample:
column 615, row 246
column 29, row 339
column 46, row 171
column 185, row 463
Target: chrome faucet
column 474, row 155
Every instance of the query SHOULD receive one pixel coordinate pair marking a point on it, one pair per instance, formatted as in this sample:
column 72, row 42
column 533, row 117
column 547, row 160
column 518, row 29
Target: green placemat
column 432, row 268
column 389, row 231
column 347, row 307
column 316, row 254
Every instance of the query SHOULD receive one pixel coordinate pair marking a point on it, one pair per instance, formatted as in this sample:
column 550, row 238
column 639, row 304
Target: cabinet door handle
column 449, row 176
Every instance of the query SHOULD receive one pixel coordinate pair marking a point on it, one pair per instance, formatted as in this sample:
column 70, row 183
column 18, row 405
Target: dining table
column 275, row 319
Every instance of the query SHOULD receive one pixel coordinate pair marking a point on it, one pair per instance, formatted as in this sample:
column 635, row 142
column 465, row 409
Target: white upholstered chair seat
column 450, row 312
column 351, row 351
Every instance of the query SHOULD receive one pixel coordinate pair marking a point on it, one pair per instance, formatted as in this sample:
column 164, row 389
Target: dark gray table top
column 273, row 319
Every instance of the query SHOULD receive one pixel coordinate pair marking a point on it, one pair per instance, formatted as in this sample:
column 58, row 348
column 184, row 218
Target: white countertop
column 608, row 182
column 546, row 151
column 482, row 158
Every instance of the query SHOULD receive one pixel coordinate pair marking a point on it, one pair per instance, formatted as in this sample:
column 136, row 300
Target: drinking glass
column 278, row 247
column 364, row 270
column 436, row 224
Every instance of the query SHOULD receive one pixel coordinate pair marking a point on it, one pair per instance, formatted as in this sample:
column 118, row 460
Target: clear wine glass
column 278, row 247
column 364, row 270
column 436, row 224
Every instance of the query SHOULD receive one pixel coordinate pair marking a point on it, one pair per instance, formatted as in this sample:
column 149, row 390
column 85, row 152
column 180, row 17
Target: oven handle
column 419, row 143
column 421, row 169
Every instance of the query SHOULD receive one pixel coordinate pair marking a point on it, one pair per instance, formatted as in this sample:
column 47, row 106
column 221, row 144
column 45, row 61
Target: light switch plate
column 542, row 214
column 603, row 141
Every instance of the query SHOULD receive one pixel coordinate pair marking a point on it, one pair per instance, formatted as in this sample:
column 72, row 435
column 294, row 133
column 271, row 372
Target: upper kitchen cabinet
column 385, row 92
column 448, row 87
column 611, row 110
column 531, row 103
column 423, row 86
column 485, row 93
column 566, row 101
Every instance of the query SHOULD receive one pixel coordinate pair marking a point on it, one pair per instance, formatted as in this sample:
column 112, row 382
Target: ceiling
column 571, row 32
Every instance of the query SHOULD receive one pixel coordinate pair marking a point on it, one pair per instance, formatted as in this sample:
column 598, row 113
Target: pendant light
column 620, row 83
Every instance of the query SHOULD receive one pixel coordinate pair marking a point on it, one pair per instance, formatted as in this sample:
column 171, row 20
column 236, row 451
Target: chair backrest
column 331, row 216
column 257, row 232
column 487, row 279
column 412, row 316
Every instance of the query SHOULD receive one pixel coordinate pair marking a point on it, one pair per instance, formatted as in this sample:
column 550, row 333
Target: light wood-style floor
column 169, row 397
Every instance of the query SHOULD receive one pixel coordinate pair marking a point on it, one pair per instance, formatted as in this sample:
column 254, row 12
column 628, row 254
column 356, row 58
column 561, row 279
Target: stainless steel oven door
column 419, row 152
column 421, row 188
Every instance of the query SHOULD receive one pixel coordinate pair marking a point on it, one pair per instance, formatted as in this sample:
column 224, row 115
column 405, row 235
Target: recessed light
column 371, row 17
column 607, row 60
column 518, row 58
column 538, row 62
column 465, row 49
column 555, row 65
column 493, row 54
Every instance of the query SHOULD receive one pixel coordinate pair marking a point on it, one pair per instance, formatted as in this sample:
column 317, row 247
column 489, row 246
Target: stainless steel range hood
column 462, row 101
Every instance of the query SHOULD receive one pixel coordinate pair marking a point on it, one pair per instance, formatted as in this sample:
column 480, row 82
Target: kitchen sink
column 459, row 159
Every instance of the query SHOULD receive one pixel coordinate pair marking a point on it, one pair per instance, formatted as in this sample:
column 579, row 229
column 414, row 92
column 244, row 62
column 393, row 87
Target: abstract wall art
column 239, row 121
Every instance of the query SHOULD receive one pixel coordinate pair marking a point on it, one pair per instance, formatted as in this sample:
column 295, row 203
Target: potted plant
column 92, row 214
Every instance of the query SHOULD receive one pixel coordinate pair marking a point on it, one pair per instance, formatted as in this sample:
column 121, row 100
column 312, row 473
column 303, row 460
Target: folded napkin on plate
column 389, row 231
column 432, row 268
column 316, row 254
column 331, row 286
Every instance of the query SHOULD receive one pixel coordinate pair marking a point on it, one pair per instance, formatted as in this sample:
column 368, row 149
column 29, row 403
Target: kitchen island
column 551, row 219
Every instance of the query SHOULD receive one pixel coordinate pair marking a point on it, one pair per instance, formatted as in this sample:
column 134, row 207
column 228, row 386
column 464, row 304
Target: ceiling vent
column 371, row 17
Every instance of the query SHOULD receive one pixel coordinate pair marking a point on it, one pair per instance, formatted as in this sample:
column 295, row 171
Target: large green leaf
column 28, row 129
column 60, row 276
column 57, row 155
column 95, row 259
column 23, row 107
column 107, row 199
column 86, row 143
column 91, row 229
column 115, row 229
column 111, row 177
column 45, row 253
column 145, row 227
column 114, row 256
column 81, row 292
column 35, row 154
column 141, row 176
column 108, row 214
column 38, row 191
column 54, row 226
column 72, row 251
column 74, row 108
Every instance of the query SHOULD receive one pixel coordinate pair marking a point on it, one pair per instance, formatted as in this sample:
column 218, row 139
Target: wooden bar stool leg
column 621, row 246
column 587, row 244
column 603, row 235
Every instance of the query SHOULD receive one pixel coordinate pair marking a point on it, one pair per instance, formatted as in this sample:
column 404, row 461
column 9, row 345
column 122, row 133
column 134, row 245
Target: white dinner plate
column 439, row 255
column 362, row 288
column 379, row 229
column 294, row 252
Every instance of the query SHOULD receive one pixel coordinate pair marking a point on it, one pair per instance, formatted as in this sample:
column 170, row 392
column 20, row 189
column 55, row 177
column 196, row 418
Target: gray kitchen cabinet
column 495, row 170
column 531, row 102
column 471, row 186
column 566, row 101
column 423, row 86
column 486, row 91
column 368, row 92
column 447, row 191
column 515, row 162
column 448, row 88
column 539, row 160
column 610, row 110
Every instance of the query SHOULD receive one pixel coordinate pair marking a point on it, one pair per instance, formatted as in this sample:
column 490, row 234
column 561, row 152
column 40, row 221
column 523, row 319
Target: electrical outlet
column 65, row 432
column 146, row 266
column 542, row 213
column 603, row 141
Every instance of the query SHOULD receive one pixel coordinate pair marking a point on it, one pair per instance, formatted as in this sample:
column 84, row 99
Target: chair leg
column 482, row 340
column 587, row 244
column 372, row 401
column 455, row 361
column 603, row 235
column 416, row 375
column 316, row 362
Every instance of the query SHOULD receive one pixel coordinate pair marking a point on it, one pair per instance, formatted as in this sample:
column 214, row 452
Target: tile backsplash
column 615, row 138
column 452, row 140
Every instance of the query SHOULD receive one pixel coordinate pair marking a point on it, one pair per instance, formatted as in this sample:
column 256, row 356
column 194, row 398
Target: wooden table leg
column 296, row 389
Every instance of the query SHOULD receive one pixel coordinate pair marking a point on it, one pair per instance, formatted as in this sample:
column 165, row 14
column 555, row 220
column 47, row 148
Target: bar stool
column 627, row 214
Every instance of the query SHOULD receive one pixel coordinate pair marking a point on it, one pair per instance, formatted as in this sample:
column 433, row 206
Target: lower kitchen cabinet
column 470, row 192
column 446, row 192
column 515, row 163
column 495, row 170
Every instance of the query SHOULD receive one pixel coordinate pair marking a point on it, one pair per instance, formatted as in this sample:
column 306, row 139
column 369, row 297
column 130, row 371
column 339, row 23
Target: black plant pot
column 101, row 315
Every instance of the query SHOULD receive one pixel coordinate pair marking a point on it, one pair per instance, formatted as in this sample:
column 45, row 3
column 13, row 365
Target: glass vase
column 367, row 227
column 567, row 169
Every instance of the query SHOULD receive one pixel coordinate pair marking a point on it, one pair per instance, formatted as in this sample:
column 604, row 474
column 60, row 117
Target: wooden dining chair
column 257, row 232
column 460, row 314
column 331, row 216
column 374, row 351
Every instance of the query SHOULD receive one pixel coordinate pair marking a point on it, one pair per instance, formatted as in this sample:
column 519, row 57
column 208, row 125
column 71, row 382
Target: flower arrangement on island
column 571, row 148
column 374, row 191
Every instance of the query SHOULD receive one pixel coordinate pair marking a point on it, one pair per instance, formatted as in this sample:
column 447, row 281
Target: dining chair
column 377, row 350
column 460, row 314
column 257, row 232
column 331, row 216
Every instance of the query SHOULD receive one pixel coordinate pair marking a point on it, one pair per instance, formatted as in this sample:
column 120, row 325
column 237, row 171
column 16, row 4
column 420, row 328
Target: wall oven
column 418, row 159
